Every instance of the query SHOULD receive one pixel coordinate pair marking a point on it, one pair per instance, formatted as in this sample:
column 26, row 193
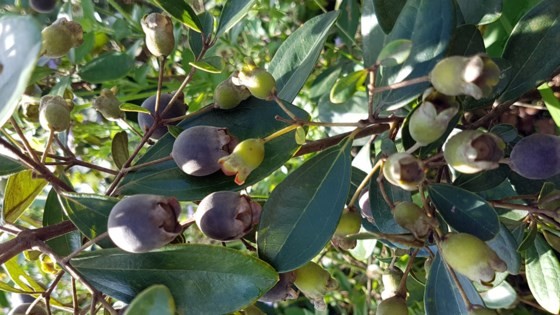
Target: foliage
column 343, row 79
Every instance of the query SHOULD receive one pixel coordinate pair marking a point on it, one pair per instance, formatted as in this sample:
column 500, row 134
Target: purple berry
column 536, row 156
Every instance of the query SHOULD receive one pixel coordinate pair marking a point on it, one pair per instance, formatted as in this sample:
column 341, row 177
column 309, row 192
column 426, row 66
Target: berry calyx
column 472, row 151
column 159, row 34
column 227, row 215
column 198, row 149
column 246, row 157
column 471, row 257
column 404, row 170
column 536, row 156
column 141, row 223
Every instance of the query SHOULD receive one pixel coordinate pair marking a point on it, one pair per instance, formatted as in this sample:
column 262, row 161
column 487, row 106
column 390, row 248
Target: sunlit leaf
column 394, row 53
column 232, row 13
column 155, row 300
column 205, row 66
column 543, row 275
column 21, row 189
column 551, row 101
column 480, row 12
column 345, row 87
column 182, row 11
column 119, row 148
column 128, row 107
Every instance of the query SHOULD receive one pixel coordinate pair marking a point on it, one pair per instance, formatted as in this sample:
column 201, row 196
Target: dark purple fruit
column 198, row 149
column 141, row 223
column 178, row 108
column 227, row 215
column 42, row 6
column 536, row 156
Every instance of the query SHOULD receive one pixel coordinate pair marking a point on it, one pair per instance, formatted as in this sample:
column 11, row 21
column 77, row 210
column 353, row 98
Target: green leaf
column 294, row 61
column 387, row 12
column 529, row 46
column 480, row 12
column 203, row 279
column 348, row 21
column 20, row 277
column 551, row 101
column 394, row 53
column 9, row 166
column 232, row 13
column 119, row 148
column 206, row 66
column 543, row 275
column 128, row 107
column 53, row 214
column 345, row 87
column 372, row 33
column 442, row 295
column 155, row 300
column 381, row 211
column 17, row 59
column 429, row 37
column 21, row 189
column 528, row 238
column 89, row 213
column 182, row 11
column 253, row 118
column 109, row 66
column 465, row 211
column 483, row 180
column 307, row 205
column 466, row 41
column 505, row 245
column 174, row 130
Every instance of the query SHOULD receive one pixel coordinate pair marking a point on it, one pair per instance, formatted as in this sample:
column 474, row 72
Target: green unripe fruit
column 314, row 282
column 246, row 157
column 159, row 34
column 61, row 36
column 228, row 95
column 260, row 82
column 413, row 218
column 108, row 105
column 404, row 170
column 23, row 309
column 350, row 223
column 395, row 305
column 471, row 257
column 536, row 156
column 54, row 113
column 472, row 151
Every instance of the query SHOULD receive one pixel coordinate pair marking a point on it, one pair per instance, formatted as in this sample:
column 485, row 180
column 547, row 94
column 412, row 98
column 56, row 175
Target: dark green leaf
column 182, row 11
column 464, row 211
column 551, row 101
column 483, row 180
column 528, row 238
column 394, row 53
column 372, row 33
column 128, row 107
column 348, row 21
column 253, row 118
column 505, row 246
column 480, row 12
column 387, row 12
column 196, row 42
column 21, row 189
column 174, row 130
column 232, row 13
column 466, row 41
column 442, row 295
column 109, row 66
column 543, row 275
column 507, row 132
column 119, row 148
column 528, row 49
column 203, row 279
column 155, row 300
column 382, row 213
column 89, row 213
column 345, row 87
column 53, row 214
column 305, row 206
column 17, row 59
column 9, row 166
column 429, row 37
column 295, row 59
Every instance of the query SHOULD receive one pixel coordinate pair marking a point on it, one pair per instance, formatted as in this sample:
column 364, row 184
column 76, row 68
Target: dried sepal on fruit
column 472, row 151
column 404, row 170
column 227, row 215
column 246, row 157
column 141, row 223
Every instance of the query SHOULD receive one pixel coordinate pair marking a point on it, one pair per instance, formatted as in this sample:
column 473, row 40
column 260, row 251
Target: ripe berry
column 178, row 108
column 227, row 215
column 23, row 309
column 536, row 156
column 198, row 149
column 246, row 157
column 54, row 113
column 472, row 151
column 61, row 36
column 314, row 282
column 159, row 33
column 42, row 6
column 260, row 82
column 283, row 290
column 141, row 223
column 471, row 257
column 404, row 170
column 395, row 305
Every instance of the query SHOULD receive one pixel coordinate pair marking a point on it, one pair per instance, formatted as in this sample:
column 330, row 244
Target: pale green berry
column 245, row 158
column 159, row 34
column 258, row 81
column 54, row 113
column 314, row 282
column 395, row 305
column 61, row 36
column 227, row 95
column 108, row 105
column 413, row 218
column 472, row 151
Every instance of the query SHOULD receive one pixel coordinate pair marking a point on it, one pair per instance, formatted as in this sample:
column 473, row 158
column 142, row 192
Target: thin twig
column 86, row 245
column 363, row 184
column 26, row 144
